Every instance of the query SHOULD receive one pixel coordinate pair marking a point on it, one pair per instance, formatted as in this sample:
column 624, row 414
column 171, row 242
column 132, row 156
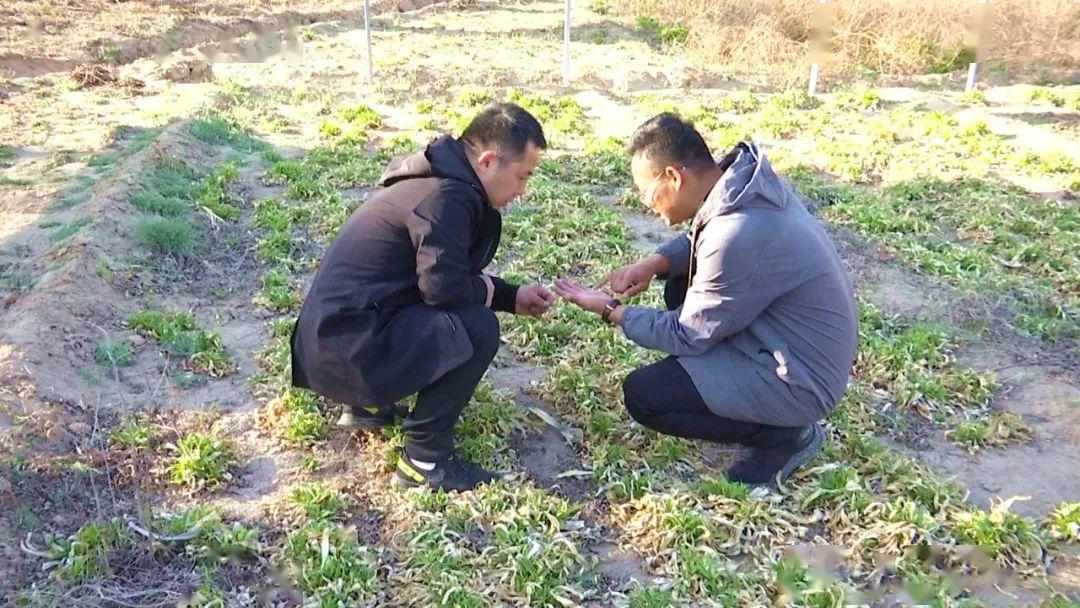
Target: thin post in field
column 819, row 41
column 566, row 48
column 982, row 24
column 367, row 33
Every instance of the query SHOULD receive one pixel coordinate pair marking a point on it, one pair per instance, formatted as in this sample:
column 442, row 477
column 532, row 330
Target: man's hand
column 631, row 280
column 588, row 298
column 533, row 300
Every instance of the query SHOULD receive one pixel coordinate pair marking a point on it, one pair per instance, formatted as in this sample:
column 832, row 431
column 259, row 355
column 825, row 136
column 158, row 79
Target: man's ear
column 486, row 157
column 675, row 175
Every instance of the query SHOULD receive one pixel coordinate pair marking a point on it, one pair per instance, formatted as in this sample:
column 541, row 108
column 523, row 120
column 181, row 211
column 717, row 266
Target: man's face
column 661, row 188
column 504, row 178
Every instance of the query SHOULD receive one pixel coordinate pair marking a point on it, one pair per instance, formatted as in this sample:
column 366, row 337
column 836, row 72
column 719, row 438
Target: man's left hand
column 588, row 298
column 533, row 300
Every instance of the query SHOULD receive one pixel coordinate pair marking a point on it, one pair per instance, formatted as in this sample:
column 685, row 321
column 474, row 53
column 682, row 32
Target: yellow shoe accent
column 407, row 468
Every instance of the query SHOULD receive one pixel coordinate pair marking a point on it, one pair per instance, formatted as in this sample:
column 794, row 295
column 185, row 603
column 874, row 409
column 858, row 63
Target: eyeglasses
column 650, row 191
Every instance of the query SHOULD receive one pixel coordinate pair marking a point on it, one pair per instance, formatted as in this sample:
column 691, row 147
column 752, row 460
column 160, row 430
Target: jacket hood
column 444, row 158
column 748, row 179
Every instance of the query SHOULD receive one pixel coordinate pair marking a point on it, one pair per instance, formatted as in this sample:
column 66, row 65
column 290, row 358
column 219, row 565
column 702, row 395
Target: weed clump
column 1001, row 429
column 324, row 560
column 200, row 461
column 180, row 335
column 110, row 353
column 166, row 235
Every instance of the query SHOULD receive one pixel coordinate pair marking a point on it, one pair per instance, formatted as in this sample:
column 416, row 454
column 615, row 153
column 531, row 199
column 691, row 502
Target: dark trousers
column 429, row 428
column 662, row 397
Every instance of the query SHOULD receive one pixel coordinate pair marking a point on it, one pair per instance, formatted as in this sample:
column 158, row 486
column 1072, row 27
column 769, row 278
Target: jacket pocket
column 450, row 320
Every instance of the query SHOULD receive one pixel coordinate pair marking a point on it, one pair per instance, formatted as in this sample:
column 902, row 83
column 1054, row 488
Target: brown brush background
column 896, row 37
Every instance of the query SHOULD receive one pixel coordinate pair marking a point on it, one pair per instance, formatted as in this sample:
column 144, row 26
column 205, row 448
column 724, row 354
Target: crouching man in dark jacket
column 400, row 304
column 761, row 325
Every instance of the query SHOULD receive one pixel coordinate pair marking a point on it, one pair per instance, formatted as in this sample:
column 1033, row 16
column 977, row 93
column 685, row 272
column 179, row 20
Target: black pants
column 429, row 429
column 663, row 397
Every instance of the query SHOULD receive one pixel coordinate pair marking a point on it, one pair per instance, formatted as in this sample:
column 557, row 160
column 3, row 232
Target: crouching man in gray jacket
column 761, row 326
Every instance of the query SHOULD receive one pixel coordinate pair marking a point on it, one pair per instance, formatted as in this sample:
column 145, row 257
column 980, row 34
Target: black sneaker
column 370, row 417
column 453, row 473
column 773, row 465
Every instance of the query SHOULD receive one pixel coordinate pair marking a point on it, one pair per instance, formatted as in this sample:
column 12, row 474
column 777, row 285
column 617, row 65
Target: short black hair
column 668, row 140
column 506, row 125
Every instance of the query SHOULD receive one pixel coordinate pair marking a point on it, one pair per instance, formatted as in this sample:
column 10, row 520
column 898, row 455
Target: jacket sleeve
column 505, row 298
column 727, row 293
column 677, row 253
column 441, row 230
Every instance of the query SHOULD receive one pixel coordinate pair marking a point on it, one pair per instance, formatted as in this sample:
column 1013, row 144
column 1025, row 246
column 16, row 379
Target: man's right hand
column 631, row 280
column 533, row 300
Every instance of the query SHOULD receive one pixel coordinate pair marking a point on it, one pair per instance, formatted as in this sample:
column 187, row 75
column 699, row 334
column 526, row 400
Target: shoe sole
column 400, row 482
column 804, row 455
column 347, row 421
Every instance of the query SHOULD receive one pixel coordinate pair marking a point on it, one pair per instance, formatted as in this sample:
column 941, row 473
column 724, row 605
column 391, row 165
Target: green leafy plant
column 1064, row 523
column 1002, row 428
column 215, row 195
column 325, row 562
column 166, row 235
column 361, row 116
column 1000, row 534
column 206, row 538
column 670, row 34
column 974, row 97
column 110, row 353
column 68, row 230
column 181, row 336
column 299, row 419
column 132, row 434
column 8, row 155
column 200, row 461
column 84, row 556
column 318, row 501
column 279, row 292
column 153, row 202
column 720, row 486
column 652, row 597
column 221, row 129
column 1043, row 95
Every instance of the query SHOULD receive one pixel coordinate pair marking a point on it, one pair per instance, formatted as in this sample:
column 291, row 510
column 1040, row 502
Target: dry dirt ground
column 167, row 61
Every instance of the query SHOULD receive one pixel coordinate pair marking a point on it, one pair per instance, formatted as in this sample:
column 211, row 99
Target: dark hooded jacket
column 378, row 323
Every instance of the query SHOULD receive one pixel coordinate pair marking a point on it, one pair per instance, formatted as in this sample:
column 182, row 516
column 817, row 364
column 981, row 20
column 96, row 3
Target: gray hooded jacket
column 769, row 326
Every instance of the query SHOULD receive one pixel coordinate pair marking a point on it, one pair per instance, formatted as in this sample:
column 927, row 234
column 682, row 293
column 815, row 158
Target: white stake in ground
column 973, row 67
column 815, row 67
column 566, row 48
column 973, row 74
column 367, row 32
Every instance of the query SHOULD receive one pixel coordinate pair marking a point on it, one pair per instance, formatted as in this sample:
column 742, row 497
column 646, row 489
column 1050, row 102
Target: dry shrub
column 900, row 37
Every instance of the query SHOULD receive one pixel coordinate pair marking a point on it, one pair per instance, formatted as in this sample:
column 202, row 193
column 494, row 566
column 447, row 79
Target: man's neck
column 708, row 182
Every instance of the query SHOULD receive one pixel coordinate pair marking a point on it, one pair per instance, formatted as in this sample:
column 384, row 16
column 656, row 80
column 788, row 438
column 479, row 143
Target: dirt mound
column 88, row 278
column 186, row 69
column 164, row 29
